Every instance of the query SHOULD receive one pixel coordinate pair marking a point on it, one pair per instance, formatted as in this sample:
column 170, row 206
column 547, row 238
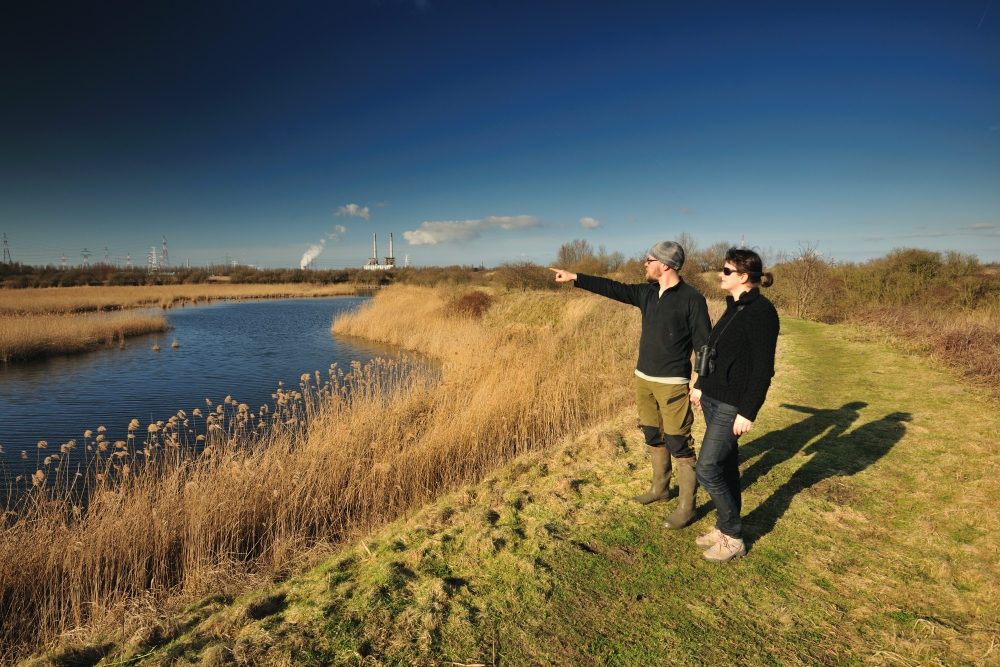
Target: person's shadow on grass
column 776, row 447
column 836, row 453
column 779, row 446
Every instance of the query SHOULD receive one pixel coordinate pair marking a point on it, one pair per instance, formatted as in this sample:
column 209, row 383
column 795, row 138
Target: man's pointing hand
column 563, row 276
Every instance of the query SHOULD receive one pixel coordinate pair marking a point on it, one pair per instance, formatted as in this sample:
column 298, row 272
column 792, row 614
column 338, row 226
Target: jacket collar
column 656, row 286
column 745, row 298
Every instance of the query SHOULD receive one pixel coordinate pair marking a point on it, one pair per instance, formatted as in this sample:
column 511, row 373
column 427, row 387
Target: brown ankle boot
column 659, row 489
column 687, row 484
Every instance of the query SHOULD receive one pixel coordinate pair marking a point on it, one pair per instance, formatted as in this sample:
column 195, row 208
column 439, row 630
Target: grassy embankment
column 63, row 320
column 163, row 526
column 869, row 476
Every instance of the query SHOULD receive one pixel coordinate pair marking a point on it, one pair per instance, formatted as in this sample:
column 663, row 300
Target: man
column 674, row 321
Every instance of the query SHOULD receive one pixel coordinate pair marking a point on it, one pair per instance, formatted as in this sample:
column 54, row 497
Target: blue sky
column 485, row 131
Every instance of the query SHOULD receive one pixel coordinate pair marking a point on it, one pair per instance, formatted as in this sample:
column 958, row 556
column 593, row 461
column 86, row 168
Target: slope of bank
column 273, row 490
column 869, row 481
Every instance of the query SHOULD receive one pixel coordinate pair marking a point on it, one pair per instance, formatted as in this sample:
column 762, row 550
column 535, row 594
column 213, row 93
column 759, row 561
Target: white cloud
column 353, row 211
column 589, row 223
column 994, row 128
column 873, row 238
column 687, row 211
column 922, row 235
column 448, row 231
column 980, row 229
column 337, row 231
column 382, row 204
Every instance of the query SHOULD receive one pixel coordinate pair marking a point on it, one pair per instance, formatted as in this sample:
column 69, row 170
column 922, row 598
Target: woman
column 742, row 348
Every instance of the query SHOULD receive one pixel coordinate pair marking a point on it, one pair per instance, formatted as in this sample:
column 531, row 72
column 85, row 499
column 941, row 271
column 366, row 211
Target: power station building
column 373, row 265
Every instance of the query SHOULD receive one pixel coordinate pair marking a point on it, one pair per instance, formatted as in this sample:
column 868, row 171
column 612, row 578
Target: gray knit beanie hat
column 670, row 253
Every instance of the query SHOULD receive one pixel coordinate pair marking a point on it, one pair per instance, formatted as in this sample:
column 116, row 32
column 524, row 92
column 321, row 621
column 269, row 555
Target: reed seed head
column 42, row 444
column 101, row 429
column 88, row 433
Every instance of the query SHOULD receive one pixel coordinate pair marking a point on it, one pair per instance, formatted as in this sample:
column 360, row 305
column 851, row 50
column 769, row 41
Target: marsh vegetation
column 39, row 322
column 841, row 564
column 346, row 452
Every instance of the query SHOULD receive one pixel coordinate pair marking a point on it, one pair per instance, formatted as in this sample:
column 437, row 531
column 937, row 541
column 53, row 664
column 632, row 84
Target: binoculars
column 704, row 361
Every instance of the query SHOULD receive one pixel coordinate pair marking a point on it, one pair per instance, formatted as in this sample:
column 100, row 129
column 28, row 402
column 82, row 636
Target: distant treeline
column 806, row 284
column 811, row 286
column 517, row 275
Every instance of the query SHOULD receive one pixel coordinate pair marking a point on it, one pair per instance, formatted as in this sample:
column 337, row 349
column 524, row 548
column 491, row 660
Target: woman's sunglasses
column 726, row 271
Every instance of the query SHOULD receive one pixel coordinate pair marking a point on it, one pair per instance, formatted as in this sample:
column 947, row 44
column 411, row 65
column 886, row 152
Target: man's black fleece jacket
column 672, row 324
column 744, row 341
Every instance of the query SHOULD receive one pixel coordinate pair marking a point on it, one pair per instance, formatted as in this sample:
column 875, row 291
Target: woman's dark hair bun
column 747, row 261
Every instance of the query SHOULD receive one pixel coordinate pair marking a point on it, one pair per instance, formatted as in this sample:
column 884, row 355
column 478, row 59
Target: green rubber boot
column 659, row 489
column 687, row 484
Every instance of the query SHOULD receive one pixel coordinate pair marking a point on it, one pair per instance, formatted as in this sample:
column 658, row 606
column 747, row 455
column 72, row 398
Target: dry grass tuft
column 161, row 522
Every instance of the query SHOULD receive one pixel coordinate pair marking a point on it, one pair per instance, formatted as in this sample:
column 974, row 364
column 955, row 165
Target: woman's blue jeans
column 718, row 466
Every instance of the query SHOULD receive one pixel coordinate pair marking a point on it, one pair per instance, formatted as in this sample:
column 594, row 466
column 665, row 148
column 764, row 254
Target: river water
column 241, row 349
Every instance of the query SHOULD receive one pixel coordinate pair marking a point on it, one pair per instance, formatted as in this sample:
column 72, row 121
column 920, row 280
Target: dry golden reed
column 40, row 322
column 27, row 336
column 273, row 489
column 58, row 300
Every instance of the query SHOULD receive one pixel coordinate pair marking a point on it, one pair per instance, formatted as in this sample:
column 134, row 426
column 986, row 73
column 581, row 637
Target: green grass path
column 870, row 484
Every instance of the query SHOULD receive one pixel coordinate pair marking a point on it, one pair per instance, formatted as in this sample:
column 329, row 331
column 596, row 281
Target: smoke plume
column 312, row 253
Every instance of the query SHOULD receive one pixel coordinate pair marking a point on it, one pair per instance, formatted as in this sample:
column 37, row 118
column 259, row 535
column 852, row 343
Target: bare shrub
column 572, row 253
column 523, row 276
column 799, row 284
column 712, row 257
column 470, row 304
